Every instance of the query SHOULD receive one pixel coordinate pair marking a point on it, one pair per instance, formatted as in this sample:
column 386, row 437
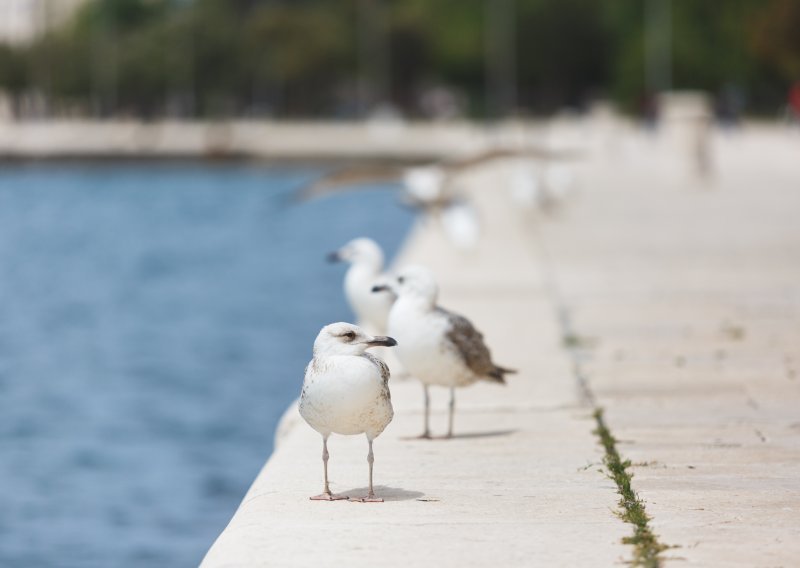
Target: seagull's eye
column 350, row 335
column 400, row 279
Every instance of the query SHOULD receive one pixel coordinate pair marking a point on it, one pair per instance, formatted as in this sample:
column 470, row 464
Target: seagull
column 525, row 185
column 346, row 391
column 546, row 187
column 461, row 224
column 366, row 270
column 429, row 187
column 426, row 186
column 436, row 346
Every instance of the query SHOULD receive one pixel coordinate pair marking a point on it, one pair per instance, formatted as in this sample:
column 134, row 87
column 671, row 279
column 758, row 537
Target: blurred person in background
column 793, row 106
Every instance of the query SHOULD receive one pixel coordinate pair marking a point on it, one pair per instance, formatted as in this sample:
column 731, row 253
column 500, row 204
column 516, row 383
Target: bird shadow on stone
column 488, row 434
column 464, row 436
column 386, row 493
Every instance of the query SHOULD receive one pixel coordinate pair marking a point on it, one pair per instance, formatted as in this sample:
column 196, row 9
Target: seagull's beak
column 334, row 256
column 381, row 341
column 381, row 288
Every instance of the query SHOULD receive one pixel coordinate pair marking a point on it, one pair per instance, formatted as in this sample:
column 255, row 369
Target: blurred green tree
column 564, row 52
column 775, row 37
column 313, row 58
column 13, row 70
column 301, row 54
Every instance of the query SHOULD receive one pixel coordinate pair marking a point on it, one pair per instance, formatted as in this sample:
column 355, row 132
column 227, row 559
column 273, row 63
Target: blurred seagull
column 544, row 186
column 525, row 186
column 436, row 346
column 366, row 270
column 461, row 224
column 560, row 181
column 429, row 187
column 346, row 391
column 426, row 186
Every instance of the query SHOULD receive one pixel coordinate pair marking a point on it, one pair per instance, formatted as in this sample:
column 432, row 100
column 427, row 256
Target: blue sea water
column 155, row 321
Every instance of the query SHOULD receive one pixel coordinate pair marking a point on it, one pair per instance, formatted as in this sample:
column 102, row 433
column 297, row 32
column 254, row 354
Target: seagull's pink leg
column 370, row 498
column 426, row 435
column 326, row 494
column 452, row 407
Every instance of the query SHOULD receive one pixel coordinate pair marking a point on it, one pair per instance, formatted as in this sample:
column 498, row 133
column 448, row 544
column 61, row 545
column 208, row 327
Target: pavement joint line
column 646, row 546
column 563, row 316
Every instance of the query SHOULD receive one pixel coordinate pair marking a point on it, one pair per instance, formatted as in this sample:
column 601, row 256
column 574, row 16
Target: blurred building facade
column 22, row 21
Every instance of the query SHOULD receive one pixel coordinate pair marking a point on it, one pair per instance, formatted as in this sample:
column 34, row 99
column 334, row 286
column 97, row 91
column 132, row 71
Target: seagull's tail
column 498, row 374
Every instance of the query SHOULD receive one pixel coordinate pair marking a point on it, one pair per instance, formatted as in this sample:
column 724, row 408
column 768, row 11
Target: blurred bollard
column 686, row 120
column 605, row 127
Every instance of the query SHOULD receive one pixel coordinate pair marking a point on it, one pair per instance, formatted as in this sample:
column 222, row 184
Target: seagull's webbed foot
column 424, row 436
column 328, row 497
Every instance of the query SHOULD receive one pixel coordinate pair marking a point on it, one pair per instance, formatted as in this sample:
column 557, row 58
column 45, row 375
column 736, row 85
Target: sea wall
column 251, row 139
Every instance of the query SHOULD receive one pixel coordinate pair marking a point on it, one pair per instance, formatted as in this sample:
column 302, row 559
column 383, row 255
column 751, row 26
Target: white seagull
column 428, row 187
column 436, row 346
column 346, row 391
column 545, row 186
column 366, row 270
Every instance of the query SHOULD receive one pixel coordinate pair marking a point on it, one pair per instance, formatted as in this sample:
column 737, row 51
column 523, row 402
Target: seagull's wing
column 501, row 153
column 382, row 367
column 348, row 178
column 468, row 343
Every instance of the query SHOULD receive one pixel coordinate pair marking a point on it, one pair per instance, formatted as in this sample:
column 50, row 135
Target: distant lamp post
column 658, row 45
column 373, row 54
column 501, row 60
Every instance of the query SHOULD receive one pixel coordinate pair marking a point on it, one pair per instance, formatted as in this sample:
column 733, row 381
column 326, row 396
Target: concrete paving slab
column 515, row 487
column 679, row 301
column 690, row 294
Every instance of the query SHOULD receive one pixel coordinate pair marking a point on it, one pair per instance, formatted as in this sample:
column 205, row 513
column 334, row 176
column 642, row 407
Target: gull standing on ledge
column 436, row 346
column 346, row 391
column 366, row 270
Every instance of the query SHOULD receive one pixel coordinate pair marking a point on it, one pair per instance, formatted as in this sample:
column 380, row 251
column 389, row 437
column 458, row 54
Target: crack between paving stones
column 646, row 546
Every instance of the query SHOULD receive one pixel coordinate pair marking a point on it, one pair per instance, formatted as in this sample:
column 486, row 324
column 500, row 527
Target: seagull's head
column 360, row 251
column 413, row 282
column 347, row 339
